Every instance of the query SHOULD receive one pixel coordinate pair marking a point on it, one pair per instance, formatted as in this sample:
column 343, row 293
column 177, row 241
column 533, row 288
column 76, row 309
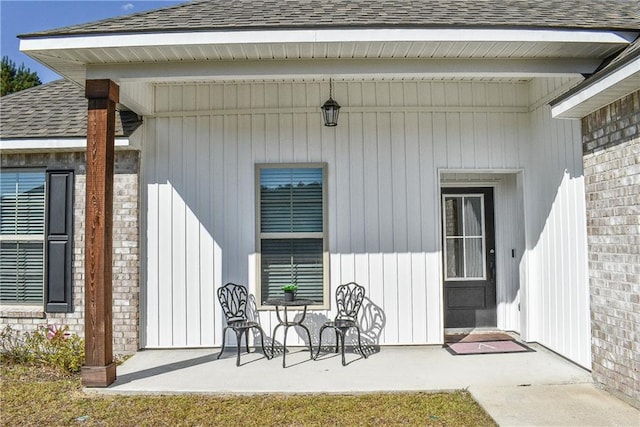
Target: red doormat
column 487, row 347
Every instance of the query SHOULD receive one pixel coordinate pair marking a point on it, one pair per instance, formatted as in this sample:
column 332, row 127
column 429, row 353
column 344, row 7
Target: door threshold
column 452, row 335
column 485, row 330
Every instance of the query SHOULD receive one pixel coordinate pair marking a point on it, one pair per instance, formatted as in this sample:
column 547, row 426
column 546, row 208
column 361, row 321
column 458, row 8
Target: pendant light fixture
column 330, row 109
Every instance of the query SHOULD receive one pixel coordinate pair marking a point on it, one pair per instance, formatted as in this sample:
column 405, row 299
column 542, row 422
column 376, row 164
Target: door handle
column 491, row 273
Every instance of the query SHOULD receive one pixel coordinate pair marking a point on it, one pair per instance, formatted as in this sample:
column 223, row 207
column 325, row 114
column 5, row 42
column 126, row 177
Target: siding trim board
column 288, row 36
column 350, row 109
column 385, row 163
column 38, row 144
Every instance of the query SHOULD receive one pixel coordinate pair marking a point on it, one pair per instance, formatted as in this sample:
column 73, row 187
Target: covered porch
column 425, row 110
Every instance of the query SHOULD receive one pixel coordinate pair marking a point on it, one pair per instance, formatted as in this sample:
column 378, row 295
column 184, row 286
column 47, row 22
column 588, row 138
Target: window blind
column 298, row 261
column 22, row 207
column 22, row 203
column 21, row 272
column 291, row 200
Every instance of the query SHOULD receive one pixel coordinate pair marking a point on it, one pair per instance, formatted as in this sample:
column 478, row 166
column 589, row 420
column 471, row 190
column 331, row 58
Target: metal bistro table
column 297, row 304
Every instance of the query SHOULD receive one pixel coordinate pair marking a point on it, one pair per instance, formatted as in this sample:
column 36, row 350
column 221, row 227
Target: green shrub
column 13, row 348
column 48, row 345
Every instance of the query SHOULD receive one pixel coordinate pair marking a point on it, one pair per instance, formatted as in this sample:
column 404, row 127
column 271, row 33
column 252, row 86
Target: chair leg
column 308, row 337
column 246, row 339
column 360, row 344
column 262, row 343
column 273, row 339
column 224, row 336
column 239, row 340
column 342, row 333
column 284, row 347
column 319, row 341
column 337, row 339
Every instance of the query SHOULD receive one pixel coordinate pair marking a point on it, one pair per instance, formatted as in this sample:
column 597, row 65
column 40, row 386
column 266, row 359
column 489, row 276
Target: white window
column 22, row 228
column 291, row 230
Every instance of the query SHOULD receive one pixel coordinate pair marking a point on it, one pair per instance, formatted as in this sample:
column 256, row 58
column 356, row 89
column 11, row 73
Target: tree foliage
column 16, row 79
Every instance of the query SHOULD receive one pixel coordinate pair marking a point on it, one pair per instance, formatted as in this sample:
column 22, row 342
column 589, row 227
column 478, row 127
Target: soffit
column 71, row 56
column 616, row 80
column 336, row 50
column 603, row 98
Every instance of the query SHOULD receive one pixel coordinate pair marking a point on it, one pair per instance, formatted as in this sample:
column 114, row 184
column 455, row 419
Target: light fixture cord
column 330, row 89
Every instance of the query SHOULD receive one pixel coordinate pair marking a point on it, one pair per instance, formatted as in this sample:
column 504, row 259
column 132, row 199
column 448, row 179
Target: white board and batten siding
column 558, row 299
column 384, row 161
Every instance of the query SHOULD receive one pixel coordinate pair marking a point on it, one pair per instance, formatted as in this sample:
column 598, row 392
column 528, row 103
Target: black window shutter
column 59, row 241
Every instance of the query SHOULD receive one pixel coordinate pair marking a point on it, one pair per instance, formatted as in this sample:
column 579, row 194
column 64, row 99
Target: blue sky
column 26, row 16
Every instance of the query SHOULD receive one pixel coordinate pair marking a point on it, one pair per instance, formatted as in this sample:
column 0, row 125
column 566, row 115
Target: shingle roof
column 201, row 15
column 53, row 110
column 630, row 52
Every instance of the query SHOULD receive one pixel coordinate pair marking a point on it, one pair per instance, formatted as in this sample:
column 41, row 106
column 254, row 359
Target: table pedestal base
column 302, row 303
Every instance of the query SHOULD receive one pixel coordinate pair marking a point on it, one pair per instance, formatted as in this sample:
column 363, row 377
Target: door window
column 463, row 219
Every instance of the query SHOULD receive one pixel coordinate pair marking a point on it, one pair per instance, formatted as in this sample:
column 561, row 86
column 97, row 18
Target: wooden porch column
column 99, row 369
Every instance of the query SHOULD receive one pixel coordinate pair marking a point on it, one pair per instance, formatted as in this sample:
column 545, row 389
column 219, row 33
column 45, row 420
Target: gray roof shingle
column 629, row 53
column 201, row 15
column 53, row 110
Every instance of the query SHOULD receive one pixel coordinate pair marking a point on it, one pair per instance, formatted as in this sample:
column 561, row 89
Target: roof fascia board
column 321, row 36
column 341, row 68
column 52, row 143
column 564, row 107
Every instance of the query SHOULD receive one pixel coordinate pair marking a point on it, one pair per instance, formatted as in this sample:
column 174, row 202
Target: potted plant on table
column 289, row 291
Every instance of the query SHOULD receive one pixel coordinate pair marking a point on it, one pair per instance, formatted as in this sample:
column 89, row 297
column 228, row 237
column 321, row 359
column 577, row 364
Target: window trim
column 315, row 235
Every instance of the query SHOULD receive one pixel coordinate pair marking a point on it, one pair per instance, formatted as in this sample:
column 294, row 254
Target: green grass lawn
column 34, row 396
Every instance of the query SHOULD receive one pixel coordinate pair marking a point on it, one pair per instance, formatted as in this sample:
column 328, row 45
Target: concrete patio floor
column 535, row 388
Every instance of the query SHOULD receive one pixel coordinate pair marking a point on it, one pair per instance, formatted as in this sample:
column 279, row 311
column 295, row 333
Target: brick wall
column 126, row 248
column 611, row 144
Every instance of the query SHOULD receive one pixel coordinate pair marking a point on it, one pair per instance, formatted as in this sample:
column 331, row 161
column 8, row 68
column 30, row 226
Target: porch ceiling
column 135, row 59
